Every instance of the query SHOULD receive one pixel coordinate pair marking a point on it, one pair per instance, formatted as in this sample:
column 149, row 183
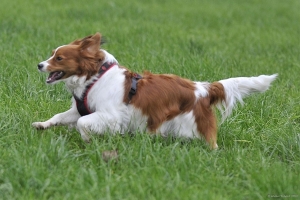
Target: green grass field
column 259, row 145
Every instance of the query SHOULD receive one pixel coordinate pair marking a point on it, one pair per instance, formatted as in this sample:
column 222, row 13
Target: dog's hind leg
column 211, row 138
column 206, row 122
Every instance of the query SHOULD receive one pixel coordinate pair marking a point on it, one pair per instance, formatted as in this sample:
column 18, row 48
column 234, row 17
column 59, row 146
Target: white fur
column 182, row 125
column 238, row 88
column 201, row 89
column 112, row 114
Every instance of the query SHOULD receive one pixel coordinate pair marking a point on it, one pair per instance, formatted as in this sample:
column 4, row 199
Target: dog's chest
column 106, row 93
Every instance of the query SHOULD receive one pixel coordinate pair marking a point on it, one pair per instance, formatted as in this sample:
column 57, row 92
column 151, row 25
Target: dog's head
column 81, row 57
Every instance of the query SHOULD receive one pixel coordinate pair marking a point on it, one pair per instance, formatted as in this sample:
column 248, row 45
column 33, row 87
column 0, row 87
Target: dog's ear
column 79, row 41
column 91, row 44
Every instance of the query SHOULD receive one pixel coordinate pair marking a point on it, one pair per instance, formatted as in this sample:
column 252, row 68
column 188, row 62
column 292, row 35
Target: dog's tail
column 226, row 93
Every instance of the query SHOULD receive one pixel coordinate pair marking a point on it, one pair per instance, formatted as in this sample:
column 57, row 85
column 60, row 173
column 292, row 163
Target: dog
column 109, row 97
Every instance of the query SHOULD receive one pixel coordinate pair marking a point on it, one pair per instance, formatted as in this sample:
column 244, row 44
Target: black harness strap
column 81, row 106
column 81, row 103
column 133, row 89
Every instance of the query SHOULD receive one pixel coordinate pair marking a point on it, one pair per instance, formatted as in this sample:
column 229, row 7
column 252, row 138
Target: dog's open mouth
column 54, row 76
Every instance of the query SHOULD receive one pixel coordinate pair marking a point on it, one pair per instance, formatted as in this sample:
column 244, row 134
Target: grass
column 259, row 153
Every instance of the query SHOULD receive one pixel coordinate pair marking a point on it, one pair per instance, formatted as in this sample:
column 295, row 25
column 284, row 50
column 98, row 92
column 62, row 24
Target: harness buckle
column 133, row 88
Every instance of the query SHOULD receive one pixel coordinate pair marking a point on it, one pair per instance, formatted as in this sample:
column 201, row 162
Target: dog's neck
column 76, row 85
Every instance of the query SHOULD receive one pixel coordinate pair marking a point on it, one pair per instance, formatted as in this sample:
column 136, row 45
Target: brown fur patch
column 162, row 97
column 216, row 92
column 206, row 121
column 127, row 86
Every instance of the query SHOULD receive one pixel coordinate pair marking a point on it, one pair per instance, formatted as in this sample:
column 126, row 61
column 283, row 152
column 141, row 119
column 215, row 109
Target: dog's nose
column 40, row 66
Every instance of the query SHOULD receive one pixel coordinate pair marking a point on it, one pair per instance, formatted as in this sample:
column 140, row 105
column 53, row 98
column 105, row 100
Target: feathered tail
column 226, row 93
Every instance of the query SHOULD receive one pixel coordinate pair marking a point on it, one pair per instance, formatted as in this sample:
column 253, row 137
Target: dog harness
column 81, row 103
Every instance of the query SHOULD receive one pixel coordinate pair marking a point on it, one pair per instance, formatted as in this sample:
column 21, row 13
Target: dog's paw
column 86, row 139
column 40, row 125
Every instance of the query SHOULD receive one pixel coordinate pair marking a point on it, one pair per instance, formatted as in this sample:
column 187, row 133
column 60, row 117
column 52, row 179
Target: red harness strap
column 81, row 103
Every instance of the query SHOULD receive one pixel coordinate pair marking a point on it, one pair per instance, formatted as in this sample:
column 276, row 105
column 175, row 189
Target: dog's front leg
column 66, row 118
column 97, row 122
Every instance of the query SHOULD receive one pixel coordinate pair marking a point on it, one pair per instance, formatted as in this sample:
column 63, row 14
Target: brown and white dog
column 108, row 97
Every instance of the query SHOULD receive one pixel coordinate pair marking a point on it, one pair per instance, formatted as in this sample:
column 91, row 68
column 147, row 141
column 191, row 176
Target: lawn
column 259, row 145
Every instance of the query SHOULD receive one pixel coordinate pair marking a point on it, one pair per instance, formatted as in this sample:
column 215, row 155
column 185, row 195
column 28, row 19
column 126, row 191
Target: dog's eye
column 58, row 58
